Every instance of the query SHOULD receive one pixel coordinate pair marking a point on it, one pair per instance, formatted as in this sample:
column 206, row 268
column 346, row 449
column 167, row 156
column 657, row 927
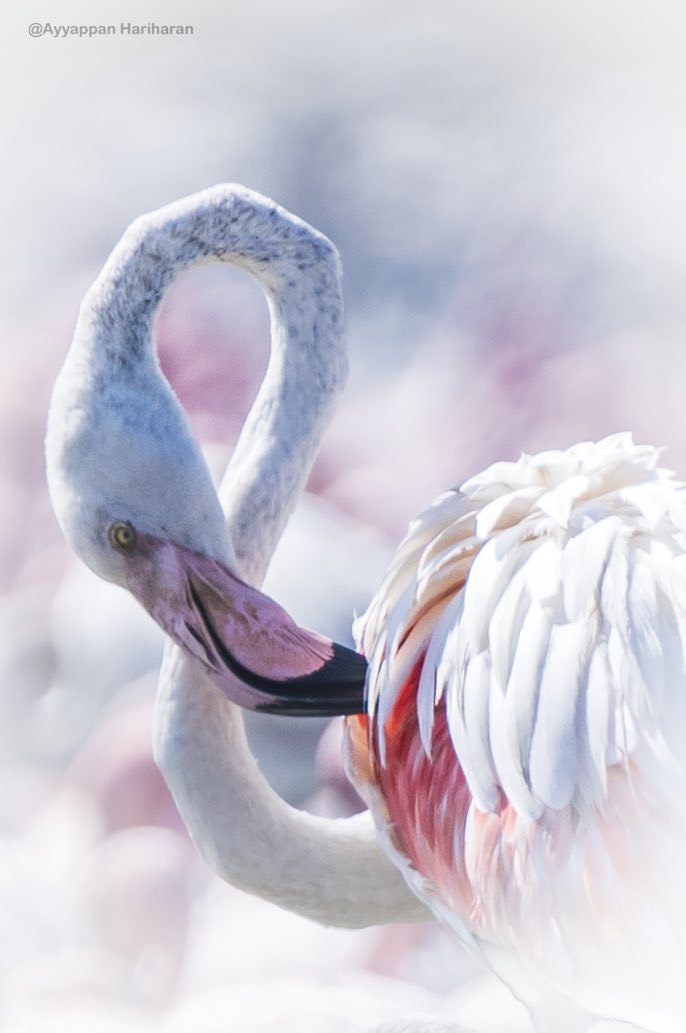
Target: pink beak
column 249, row 646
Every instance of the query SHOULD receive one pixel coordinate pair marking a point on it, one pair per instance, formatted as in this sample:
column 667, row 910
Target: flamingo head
column 119, row 448
column 247, row 644
column 136, row 502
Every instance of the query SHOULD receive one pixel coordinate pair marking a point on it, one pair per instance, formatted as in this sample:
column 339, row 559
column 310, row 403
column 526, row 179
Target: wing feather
column 598, row 700
column 553, row 761
column 584, row 559
column 504, row 630
column 523, row 686
column 469, row 727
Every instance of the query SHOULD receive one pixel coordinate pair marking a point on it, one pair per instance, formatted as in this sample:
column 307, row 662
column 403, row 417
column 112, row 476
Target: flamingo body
column 523, row 748
column 522, row 741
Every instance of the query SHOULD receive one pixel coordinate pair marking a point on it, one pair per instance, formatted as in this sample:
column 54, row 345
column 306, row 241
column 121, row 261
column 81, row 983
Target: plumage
column 540, row 731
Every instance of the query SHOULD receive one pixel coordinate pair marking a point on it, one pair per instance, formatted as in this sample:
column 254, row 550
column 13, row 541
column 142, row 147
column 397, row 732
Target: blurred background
column 505, row 183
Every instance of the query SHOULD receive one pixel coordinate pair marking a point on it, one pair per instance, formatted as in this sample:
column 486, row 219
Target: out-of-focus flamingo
column 522, row 738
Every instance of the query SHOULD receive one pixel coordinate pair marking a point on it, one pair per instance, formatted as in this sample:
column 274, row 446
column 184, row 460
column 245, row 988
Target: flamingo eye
column 122, row 536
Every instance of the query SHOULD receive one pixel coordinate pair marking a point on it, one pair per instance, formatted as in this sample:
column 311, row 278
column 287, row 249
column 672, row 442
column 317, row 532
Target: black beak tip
column 337, row 688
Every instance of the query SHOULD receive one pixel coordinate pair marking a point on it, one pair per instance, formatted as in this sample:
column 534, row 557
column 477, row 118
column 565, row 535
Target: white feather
column 520, row 703
column 598, row 700
column 504, row 629
column 584, row 559
column 469, row 722
column 554, row 755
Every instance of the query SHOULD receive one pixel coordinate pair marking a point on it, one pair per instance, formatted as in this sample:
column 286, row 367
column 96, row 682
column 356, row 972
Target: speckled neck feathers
column 112, row 365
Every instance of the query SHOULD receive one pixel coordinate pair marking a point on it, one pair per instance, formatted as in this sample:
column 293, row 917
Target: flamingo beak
column 248, row 645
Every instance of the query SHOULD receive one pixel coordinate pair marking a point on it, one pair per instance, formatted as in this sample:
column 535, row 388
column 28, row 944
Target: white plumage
column 543, row 603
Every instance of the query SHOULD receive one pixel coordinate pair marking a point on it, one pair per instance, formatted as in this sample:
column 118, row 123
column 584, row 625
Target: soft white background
column 505, row 182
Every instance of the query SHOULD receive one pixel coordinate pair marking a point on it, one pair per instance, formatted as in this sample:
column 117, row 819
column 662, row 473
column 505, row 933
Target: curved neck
column 330, row 870
column 307, row 370
column 300, row 273
column 333, row 871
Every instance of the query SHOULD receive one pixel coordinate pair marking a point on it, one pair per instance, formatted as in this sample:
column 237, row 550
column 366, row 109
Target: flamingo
column 517, row 726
